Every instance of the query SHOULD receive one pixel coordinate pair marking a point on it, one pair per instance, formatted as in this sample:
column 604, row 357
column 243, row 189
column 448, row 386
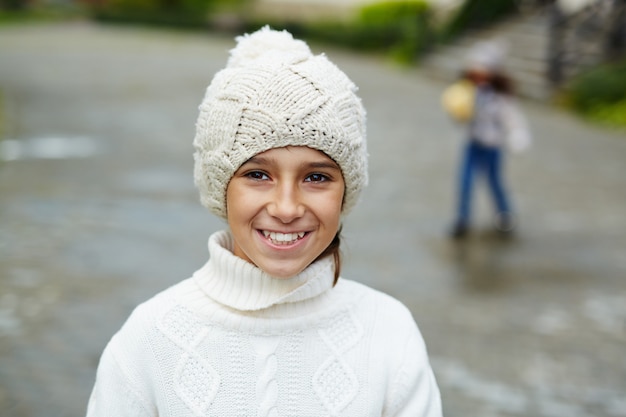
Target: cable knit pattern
column 237, row 366
column 195, row 380
column 180, row 325
column 267, row 389
column 335, row 383
column 294, row 349
column 274, row 93
column 300, row 347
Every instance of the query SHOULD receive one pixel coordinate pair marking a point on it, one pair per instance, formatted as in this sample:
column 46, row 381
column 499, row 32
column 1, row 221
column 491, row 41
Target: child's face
column 284, row 208
column 479, row 75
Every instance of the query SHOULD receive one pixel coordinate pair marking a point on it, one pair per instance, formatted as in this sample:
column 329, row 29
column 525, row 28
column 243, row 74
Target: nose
column 286, row 204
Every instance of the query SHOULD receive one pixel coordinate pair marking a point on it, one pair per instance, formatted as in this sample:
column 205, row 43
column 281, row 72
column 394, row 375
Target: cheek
column 331, row 209
column 242, row 206
column 236, row 202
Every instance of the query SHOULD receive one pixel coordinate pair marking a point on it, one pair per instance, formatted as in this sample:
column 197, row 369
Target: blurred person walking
column 482, row 99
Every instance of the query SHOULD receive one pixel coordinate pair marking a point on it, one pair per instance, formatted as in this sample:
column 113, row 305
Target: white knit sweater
column 232, row 341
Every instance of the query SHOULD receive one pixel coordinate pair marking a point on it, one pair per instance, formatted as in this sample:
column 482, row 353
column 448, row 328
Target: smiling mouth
column 278, row 238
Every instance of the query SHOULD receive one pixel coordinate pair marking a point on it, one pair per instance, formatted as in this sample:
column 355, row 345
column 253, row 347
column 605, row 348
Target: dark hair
column 334, row 250
column 502, row 83
column 499, row 81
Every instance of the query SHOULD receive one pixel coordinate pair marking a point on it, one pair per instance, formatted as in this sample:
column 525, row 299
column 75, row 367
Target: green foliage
column 39, row 12
column 600, row 94
column 12, row 17
column 400, row 28
column 154, row 6
column 403, row 28
column 475, row 14
column 611, row 114
column 599, row 86
column 159, row 12
column 13, row 4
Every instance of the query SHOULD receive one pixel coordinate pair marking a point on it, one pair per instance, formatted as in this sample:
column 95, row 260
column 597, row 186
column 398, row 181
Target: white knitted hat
column 487, row 55
column 274, row 93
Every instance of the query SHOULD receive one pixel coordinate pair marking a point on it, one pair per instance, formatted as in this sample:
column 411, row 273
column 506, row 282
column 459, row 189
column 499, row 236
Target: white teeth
column 282, row 238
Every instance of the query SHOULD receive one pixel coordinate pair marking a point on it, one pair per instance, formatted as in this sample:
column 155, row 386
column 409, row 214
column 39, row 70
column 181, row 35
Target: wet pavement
column 98, row 212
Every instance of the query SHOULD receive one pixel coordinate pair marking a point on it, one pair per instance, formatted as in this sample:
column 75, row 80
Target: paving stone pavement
column 98, row 212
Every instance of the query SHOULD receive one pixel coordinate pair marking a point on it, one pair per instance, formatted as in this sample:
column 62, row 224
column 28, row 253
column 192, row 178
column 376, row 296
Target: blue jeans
column 486, row 160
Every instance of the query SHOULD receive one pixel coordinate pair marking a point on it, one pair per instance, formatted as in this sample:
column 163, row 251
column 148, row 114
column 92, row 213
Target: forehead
column 300, row 154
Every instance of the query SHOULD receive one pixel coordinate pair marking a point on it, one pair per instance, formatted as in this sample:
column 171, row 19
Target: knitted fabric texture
column 275, row 93
column 203, row 349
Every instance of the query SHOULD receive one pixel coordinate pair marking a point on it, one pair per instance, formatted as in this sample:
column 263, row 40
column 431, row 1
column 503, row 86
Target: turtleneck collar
column 238, row 284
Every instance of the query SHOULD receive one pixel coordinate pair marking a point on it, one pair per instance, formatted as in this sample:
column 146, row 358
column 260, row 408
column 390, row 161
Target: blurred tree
column 402, row 27
column 478, row 13
column 13, row 4
column 166, row 12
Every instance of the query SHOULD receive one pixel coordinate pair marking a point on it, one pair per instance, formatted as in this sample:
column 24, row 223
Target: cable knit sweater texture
column 233, row 341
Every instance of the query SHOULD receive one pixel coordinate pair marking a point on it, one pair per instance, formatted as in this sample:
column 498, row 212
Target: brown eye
column 257, row 175
column 316, row 178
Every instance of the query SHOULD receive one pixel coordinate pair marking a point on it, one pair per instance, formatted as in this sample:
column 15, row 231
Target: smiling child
column 268, row 327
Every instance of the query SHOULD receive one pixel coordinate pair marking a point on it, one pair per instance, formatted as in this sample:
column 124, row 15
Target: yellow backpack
column 458, row 100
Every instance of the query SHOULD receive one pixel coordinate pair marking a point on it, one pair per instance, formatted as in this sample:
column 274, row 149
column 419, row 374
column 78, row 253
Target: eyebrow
column 261, row 160
column 323, row 164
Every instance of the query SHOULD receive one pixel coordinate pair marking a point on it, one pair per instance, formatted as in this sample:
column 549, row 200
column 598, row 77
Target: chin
column 283, row 272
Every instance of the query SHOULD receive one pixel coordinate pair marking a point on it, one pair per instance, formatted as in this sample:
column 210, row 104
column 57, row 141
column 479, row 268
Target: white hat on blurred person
column 487, row 56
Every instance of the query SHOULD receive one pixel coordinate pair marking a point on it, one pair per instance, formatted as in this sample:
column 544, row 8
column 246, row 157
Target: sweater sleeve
column 114, row 393
column 125, row 377
column 414, row 391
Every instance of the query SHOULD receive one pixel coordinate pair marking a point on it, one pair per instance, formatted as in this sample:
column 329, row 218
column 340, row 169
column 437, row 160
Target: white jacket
column 498, row 122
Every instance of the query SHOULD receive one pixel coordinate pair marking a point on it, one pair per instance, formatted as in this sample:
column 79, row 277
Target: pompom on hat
column 275, row 93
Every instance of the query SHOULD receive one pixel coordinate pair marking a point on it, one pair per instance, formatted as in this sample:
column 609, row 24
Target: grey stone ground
column 98, row 212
